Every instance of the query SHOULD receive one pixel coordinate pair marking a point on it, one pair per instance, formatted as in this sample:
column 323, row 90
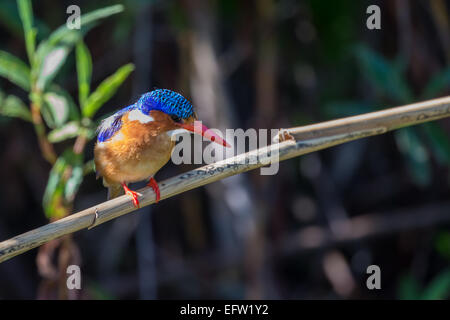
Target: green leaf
column 61, row 41
column 438, row 83
column 52, row 199
column 106, row 90
column 58, row 107
column 408, row 288
column 415, row 154
column 62, row 184
column 69, row 37
column 63, row 32
column 386, row 77
column 12, row 106
column 26, row 15
column 51, row 64
column 89, row 167
column 51, row 56
column 15, row 70
column 439, row 141
column 439, row 288
column 74, row 113
column 84, row 71
column 89, row 133
column 442, row 244
column 55, row 109
column 74, row 182
column 67, row 131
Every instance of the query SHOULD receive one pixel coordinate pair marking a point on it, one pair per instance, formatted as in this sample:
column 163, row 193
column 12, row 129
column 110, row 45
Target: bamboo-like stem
column 46, row 147
column 389, row 119
column 306, row 139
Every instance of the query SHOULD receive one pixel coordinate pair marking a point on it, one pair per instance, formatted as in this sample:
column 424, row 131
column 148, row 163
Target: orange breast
column 137, row 151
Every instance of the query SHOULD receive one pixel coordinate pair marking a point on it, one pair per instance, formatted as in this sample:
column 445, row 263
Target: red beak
column 203, row 130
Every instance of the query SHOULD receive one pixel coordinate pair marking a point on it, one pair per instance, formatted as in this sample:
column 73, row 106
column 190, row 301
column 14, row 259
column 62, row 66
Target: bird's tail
column 114, row 191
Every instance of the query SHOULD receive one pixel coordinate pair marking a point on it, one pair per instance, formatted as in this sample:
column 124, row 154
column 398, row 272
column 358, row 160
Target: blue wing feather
column 109, row 126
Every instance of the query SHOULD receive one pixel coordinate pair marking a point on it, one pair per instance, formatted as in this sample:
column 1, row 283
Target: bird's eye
column 176, row 118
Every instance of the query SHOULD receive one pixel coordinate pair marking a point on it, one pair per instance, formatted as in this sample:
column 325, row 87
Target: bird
column 136, row 141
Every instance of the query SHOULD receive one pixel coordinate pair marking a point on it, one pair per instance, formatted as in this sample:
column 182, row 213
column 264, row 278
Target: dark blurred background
column 308, row 232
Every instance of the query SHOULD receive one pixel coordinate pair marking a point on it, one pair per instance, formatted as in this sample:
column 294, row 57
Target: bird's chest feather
column 136, row 152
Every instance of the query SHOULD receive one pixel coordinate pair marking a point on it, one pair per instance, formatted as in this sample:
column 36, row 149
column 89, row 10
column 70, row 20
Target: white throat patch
column 137, row 115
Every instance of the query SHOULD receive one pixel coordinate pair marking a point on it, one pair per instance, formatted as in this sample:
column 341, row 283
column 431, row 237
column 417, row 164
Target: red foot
column 154, row 185
column 131, row 193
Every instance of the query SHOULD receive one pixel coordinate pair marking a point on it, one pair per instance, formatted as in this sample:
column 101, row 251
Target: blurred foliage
column 409, row 287
column 55, row 105
column 389, row 82
column 442, row 244
column 437, row 289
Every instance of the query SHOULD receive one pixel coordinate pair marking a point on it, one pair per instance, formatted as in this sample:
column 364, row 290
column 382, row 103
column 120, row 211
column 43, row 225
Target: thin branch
column 47, row 149
column 306, row 139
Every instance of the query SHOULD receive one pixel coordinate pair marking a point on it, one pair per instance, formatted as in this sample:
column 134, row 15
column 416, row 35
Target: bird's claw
column 154, row 185
column 133, row 195
column 283, row 135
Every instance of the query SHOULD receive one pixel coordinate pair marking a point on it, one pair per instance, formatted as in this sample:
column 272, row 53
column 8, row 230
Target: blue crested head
column 164, row 100
column 167, row 101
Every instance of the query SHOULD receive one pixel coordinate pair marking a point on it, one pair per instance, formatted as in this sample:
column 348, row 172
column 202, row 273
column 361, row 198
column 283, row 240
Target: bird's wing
column 109, row 126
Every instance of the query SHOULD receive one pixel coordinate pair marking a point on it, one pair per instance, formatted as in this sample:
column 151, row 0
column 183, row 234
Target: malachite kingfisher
column 136, row 141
